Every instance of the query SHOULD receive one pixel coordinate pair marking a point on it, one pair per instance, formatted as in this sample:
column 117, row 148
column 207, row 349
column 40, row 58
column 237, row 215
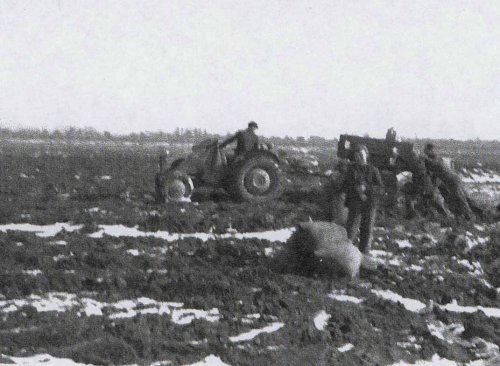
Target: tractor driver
column 246, row 140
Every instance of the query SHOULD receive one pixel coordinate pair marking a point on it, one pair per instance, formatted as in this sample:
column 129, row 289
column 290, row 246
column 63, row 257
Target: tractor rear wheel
column 257, row 179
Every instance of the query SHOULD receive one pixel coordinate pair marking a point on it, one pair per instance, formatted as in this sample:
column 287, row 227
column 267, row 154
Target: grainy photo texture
column 226, row 183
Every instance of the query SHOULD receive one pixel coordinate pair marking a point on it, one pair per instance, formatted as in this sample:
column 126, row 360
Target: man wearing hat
column 246, row 140
column 362, row 185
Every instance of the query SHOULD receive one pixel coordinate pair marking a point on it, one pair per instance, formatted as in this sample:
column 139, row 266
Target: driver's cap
column 253, row 124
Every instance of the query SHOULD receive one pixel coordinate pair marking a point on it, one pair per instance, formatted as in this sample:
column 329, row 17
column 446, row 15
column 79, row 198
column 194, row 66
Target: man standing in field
column 362, row 184
column 246, row 140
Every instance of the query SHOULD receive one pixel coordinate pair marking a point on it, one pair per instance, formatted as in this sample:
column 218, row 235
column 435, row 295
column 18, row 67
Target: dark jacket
column 361, row 184
column 421, row 179
column 246, row 141
column 439, row 172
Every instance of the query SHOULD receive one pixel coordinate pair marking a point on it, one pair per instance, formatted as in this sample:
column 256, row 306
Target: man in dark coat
column 246, row 140
column 448, row 182
column 421, row 189
column 362, row 185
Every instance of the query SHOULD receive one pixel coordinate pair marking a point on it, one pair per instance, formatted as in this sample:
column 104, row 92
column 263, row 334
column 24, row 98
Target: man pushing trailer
column 422, row 189
column 433, row 183
column 448, row 181
column 362, row 184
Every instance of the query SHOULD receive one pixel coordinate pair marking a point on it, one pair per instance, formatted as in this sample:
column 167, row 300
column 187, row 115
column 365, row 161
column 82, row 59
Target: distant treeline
column 91, row 134
column 182, row 135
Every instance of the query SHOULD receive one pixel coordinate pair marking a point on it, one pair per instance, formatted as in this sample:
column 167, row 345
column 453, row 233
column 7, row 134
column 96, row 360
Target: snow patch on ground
column 410, row 344
column 448, row 333
column 403, row 243
column 417, row 306
column 380, row 253
column 43, row 359
column 478, row 175
column 342, row 297
column 61, row 302
column 485, row 349
column 134, row 252
column 48, row 360
column 273, row 327
column 281, row 235
column 268, row 251
column 455, row 308
column 60, row 257
column 466, row 263
column 43, row 231
column 321, row 320
column 395, row 262
column 59, row 242
column 53, row 302
column 409, row 304
column 210, row 360
column 250, row 318
column 46, row 231
column 345, row 348
column 475, row 267
column 436, row 360
column 186, row 316
column 32, row 272
column 471, row 240
column 479, row 227
column 383, row 257
column 415, row 268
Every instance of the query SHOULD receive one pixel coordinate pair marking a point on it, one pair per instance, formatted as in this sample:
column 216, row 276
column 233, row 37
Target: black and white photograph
column 249, row 183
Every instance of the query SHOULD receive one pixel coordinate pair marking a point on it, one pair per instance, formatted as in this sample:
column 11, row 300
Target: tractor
column 253, row 177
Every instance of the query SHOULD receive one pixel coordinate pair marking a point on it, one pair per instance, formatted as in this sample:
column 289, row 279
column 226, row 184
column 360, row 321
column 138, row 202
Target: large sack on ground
column 327, row 240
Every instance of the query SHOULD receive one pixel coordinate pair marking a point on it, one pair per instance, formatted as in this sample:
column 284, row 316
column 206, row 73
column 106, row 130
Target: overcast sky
column 428, row 68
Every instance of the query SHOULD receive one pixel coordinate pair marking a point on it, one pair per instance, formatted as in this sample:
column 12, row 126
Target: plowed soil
column 126, row 295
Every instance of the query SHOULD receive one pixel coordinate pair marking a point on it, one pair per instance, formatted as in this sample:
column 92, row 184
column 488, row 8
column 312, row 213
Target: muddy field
column 94, row 272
